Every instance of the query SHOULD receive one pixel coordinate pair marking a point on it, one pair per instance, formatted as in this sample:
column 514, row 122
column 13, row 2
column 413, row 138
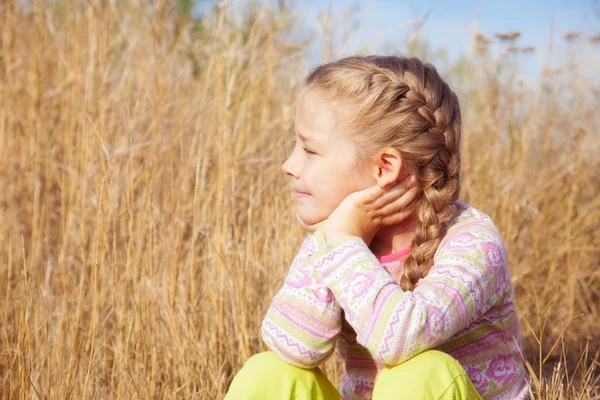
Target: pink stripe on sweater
column 395, row 256
column 309, row 324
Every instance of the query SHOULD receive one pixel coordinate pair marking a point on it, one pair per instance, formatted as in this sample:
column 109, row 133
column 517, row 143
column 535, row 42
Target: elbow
column 290, row 350
column 387, row 359
column 304, row 360
column 384, row 353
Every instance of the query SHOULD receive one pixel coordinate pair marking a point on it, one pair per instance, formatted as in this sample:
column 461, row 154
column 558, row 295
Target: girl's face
column 323, row 164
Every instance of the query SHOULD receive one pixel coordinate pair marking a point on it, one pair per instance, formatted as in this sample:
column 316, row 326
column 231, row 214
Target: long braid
column 439, row 178
column 405, row 104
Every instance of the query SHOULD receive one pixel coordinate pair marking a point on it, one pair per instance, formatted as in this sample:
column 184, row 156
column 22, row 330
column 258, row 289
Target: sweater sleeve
column 469, row 273
column 302, row 324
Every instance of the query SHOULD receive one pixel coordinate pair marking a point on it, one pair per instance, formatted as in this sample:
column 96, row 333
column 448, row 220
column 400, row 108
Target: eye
column 306, row 149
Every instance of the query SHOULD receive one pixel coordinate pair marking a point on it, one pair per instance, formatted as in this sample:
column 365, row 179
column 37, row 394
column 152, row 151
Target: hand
column 364, row 212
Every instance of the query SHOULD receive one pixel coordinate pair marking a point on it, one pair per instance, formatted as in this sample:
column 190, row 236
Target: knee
column 435, row 361
column 268, row 366
column 263, row 359
column 266, row 376
column 264, row 365
column 431, row 365
column 252, row 380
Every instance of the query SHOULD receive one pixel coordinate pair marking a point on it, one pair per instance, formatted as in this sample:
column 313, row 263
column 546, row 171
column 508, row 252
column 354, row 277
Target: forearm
column 303, row 321
column 395, row 325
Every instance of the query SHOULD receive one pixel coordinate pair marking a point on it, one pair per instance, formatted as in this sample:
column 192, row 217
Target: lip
column 300, row 194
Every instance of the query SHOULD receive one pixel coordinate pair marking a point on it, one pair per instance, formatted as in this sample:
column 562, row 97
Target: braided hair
column 404, row 103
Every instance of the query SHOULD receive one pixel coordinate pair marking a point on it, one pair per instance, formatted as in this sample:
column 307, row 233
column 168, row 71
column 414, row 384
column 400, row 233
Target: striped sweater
column 342, row 294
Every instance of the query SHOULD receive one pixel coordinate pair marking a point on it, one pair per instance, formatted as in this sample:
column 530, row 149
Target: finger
column 399, row 216
column 399, row 209
column 378, row 196
column 399, row 202
column 368, row 195
column 397, row 191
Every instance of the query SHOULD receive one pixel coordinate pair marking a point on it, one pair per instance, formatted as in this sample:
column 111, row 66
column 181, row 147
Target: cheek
column 329, row 182
column 331, row 188
column 332, row 192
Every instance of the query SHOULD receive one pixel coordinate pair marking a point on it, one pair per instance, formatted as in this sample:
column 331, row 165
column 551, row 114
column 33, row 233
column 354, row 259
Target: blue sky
column 452, row 24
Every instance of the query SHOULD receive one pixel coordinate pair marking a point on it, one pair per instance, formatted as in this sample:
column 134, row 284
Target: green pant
column 429, row 375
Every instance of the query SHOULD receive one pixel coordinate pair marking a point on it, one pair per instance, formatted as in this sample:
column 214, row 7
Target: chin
column 310, row 218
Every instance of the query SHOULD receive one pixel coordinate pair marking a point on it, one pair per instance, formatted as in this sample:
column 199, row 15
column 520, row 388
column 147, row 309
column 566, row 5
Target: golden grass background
column 146, row 223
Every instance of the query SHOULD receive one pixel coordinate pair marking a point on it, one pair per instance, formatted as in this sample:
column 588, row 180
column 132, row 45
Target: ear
column 387, row 166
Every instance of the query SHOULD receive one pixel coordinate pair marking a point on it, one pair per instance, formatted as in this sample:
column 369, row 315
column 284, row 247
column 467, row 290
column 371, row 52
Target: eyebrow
column 306, row 138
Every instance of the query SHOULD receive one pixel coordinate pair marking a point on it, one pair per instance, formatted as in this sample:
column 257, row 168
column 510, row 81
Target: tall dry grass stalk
column 147, row 225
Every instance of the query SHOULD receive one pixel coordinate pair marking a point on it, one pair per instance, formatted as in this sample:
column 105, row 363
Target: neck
column 391, row 239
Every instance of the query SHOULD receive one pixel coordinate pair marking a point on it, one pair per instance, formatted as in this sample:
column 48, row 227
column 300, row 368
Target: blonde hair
column 404, row 103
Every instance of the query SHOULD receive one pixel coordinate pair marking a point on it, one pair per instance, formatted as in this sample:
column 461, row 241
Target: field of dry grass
column 146, row 223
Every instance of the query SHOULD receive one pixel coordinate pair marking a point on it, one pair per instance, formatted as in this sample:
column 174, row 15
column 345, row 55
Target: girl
column 410, row 285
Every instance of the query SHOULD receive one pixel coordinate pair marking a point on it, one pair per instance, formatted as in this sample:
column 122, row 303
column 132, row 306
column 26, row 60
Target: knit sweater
column 341, row 294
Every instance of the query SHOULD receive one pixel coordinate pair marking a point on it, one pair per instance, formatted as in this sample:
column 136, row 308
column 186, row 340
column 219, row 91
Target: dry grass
column 146, row 223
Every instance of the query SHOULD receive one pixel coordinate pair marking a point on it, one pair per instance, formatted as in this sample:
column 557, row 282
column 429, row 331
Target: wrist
column 337, row 234
column 334, row 236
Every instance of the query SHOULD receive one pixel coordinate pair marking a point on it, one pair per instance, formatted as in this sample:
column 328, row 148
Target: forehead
column 322, row 122
column 316, row 117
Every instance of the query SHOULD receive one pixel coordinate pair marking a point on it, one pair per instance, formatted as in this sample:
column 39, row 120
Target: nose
column 290, row 166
